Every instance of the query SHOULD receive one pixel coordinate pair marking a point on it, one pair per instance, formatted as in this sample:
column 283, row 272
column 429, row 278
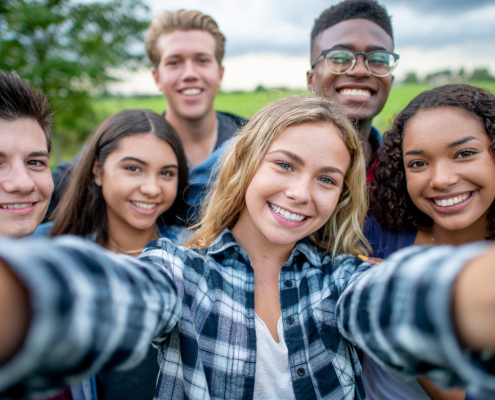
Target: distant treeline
column 449, row 76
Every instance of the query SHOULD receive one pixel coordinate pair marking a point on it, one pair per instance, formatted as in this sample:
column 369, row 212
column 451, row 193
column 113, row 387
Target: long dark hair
column 390, row 200
column 82, row 210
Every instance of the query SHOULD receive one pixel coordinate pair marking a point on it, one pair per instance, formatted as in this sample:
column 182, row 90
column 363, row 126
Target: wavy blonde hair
column 342, row 233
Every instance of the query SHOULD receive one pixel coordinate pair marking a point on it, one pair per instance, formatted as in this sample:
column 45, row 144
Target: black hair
column 390, row 200
column 352, row 9
column 18, row 100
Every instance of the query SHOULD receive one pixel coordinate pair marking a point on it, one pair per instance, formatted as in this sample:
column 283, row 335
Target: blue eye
column 327, row 181
column 285, row 165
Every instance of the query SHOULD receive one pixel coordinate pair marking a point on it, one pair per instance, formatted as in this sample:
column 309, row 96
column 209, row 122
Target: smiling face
column 450, row 170
column 188, row 74
column 139, row 181
column 26, row 183
column 363, row 94
column 297, row 185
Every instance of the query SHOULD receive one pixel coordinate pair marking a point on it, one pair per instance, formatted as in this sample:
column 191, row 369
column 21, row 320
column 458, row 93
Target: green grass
column 247, row 104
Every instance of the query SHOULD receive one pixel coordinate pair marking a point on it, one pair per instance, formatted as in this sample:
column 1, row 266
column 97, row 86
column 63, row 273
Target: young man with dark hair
column 352, row 60
column 25, row 140
column 186, row 49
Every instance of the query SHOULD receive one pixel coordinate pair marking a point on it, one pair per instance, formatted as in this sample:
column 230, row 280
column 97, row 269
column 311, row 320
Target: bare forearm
column 14, row 313
column 474, row 303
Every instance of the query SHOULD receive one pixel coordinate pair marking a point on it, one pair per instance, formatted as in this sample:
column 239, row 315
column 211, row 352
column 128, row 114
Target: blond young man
column 186, row 49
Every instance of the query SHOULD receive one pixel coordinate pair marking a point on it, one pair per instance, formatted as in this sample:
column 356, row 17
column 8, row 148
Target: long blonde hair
column 342, row 233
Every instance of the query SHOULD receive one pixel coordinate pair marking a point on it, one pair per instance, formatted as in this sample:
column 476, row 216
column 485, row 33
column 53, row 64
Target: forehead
column 21, row 136
column 184, row 43
column 441, row 126
column 145, row 146
column 360, row 33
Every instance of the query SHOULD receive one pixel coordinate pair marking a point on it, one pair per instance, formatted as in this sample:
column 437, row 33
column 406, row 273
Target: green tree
column 481, row 75
column 69, row 49
column 411, row 77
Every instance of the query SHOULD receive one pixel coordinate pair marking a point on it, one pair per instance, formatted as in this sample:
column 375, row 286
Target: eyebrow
column 40, row 153
column 352, row 47
column 301, row 162
column 146, row 164
column 449, row 146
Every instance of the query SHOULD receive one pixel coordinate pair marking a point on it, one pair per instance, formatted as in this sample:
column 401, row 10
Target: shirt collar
column 226, row 240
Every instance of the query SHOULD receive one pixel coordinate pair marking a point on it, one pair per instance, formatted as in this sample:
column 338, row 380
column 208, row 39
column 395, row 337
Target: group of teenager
column 260, row 258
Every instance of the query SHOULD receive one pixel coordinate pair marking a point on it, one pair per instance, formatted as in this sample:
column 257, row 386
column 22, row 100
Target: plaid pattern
column 92, row 309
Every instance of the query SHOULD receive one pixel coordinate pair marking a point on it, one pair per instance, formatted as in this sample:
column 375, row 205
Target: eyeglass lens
column 341, row 61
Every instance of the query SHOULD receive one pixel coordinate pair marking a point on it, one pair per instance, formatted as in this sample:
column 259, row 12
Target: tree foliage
column 69, row 49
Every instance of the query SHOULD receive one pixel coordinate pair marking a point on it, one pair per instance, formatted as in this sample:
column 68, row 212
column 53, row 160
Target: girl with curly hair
column 435, row 184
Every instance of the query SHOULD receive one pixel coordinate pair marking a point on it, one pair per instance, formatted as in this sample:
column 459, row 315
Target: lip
column 19, row 211
column 190, row 97
column 285, row 222
column 456, row 207
column 144, row 212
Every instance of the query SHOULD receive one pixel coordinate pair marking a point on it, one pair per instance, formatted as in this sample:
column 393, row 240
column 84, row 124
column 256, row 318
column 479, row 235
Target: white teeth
column 144, row 206
column 355, row 92
column 24, row 205
column 286, row 214
column 451, row 201
column 191, row 92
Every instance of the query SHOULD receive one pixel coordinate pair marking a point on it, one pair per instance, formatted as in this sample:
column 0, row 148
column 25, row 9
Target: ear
column 155, row 77
column 98, row 173
column 310, row 79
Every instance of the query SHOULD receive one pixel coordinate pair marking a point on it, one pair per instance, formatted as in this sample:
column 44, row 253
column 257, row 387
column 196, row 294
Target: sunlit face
column 362, row 93
column 297, row 185
column 188, row 74
column 138, row 180
column 449, row 168
column 26, row 183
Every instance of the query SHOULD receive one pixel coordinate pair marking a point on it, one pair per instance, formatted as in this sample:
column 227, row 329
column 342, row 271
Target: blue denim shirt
column 92, row 309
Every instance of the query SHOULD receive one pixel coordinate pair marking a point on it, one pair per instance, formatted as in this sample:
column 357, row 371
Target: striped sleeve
column 399, row 312
column 90, row 309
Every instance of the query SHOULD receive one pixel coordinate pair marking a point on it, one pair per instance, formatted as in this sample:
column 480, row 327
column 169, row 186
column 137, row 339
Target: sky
column 268, row 40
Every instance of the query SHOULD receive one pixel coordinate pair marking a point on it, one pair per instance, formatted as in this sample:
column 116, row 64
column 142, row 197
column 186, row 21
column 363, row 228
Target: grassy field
column 246, row 104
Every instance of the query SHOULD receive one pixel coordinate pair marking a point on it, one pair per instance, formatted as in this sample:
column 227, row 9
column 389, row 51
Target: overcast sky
column 268, row 40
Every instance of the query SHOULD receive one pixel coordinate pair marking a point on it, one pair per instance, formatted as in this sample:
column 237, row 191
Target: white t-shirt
column 272, row 380
column 380, row 385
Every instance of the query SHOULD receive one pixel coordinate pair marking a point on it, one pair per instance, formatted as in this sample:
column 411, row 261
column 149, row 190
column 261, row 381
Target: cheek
column 45, row 185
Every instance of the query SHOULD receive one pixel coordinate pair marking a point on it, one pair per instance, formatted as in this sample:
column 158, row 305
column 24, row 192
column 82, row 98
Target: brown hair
column 390, row 201
column 82, row 210
column 18, row 100
column 342, row 233
column 182, row 20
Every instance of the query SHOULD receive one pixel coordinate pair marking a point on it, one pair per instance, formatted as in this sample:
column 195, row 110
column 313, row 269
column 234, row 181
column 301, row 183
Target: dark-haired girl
column 435, row 184
column 126, row 190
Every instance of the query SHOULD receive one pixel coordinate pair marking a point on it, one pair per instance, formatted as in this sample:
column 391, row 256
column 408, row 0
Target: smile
column 144, row 206
column 452, row 200
column 346, row 92
column 191, row 92
column 24, row 205
column 286, row 214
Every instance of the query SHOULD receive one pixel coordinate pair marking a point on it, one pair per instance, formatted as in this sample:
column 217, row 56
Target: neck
column 364, row 130
column 261, row 252
column 123, row 237
column 473, row 233
column 197, row 135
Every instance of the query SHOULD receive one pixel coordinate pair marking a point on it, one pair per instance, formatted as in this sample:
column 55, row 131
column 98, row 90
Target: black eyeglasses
column 380, row 63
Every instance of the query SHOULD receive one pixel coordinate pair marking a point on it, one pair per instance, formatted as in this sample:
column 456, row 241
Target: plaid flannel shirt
column 211, row 352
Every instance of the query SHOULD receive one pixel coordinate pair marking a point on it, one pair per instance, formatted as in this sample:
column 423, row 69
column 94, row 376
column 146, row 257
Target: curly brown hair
column 390, row 201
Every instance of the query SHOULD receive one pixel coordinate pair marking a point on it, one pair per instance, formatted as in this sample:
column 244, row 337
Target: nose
column 359, row 70
column 299, row 190
column 443, row 176
column 150, row 187
column 190, row 71
column 18, row 180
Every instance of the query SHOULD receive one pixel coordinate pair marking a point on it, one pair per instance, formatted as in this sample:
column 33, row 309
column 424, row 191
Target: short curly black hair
column 390, row 201
column 352, row 9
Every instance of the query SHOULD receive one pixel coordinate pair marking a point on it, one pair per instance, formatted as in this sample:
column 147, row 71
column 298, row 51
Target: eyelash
column 471, row 153
column 132, row 168
column 42, row 164
column 411, row 164
column 282, row 163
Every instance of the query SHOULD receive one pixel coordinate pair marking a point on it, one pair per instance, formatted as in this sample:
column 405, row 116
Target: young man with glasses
column 352, row 61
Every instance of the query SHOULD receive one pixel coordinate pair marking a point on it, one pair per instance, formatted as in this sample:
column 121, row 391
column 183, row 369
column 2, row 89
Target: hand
column 371, row 260
column 14, row 313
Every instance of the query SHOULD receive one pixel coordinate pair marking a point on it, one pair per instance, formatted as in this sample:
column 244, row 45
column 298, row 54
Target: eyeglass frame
column 356, row 54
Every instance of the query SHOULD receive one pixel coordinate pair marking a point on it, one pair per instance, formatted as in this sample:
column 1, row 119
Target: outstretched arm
column 427, row 311
column 72, row 309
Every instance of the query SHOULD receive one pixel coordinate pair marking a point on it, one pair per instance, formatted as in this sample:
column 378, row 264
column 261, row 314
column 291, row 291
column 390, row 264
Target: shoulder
column 385, row 241
column 229, row 118
column 175, row 233
column 43, row 230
